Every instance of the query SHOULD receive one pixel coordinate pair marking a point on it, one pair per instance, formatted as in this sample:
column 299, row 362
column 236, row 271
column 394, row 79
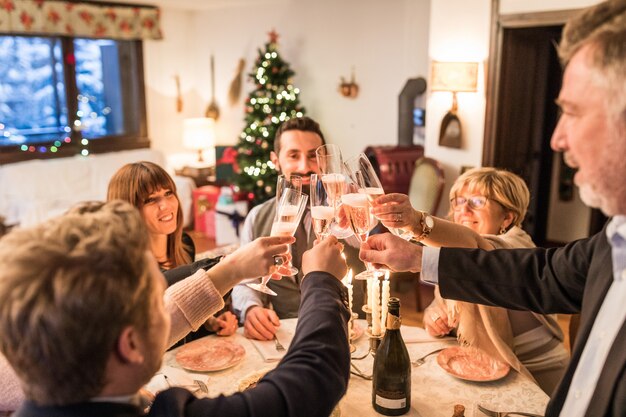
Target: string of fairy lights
column 78, row 127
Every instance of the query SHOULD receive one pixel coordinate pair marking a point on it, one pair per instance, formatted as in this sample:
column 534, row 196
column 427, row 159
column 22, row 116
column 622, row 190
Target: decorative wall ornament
column 349, row 89
column 234, row 92
column 212, row 111
column 179, row 96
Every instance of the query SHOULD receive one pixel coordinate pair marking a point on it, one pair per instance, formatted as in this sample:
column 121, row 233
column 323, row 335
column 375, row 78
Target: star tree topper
column 273, row 36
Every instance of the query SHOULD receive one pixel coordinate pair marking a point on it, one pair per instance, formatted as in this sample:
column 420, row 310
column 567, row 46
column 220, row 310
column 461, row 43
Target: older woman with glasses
column 487, row 207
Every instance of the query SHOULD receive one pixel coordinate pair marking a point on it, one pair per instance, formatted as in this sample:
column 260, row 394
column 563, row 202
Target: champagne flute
column 288, row 181
column 356, row 207
column 288, row 214
column 330, row 164
column 322, row 207
column 362, row 172
column 329, row 159
column 283, row 182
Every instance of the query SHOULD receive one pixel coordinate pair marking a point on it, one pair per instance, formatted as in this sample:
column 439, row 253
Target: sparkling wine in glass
column 356, row 208
column 361, row 171
column 294, row 182
column 330, row 164
column 288, row 214
column 322, row 207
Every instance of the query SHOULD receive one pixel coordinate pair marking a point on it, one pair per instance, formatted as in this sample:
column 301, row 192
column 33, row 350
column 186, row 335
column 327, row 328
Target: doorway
column 524, row 81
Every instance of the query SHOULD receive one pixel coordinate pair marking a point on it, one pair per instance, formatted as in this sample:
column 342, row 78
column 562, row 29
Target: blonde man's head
column 504, row 187
column 67, row 289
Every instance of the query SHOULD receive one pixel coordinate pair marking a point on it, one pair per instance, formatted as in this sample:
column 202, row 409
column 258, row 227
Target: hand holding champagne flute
column 330, row 163
column 289, row 209
column 362, row 172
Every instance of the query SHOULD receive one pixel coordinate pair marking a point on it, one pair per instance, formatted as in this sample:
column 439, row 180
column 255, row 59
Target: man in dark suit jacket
column 84, row 326
column 587, row 276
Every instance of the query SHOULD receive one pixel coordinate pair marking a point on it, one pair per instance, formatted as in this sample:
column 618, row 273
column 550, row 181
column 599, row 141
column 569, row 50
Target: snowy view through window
column 33, row 92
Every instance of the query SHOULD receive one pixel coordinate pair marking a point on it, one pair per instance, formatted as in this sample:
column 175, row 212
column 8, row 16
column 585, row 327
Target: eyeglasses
column 476, row 202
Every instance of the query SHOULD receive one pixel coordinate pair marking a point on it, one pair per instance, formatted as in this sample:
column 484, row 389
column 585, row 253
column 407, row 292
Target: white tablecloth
column 434, row 393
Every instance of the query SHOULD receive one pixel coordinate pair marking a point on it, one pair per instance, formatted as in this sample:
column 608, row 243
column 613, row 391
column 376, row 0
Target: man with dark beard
column 294, row 153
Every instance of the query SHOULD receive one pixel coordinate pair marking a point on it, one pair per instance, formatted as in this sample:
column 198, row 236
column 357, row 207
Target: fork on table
column 492, row 413
column 279, row 346
column 422, row 360
column 199, row 385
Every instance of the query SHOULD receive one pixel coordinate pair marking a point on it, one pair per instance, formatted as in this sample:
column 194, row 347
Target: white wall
column 460, row 30
column 385, row 41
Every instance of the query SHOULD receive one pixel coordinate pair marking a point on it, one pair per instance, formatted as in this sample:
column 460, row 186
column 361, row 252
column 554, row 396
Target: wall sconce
column 453, row 77
column 199, row 134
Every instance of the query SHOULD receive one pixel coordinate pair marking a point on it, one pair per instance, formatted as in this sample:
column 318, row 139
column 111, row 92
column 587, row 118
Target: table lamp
column 453, row 77
column 199, row 134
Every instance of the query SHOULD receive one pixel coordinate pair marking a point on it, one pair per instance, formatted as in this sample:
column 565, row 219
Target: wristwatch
column 427, row 223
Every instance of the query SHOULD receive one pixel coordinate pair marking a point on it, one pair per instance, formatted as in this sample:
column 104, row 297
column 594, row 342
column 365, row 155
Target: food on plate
column 209, row 354
column 471, row 364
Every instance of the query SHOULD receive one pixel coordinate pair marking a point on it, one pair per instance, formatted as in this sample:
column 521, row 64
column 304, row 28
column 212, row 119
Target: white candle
column 369, row 294
column 376, row 308
column 385, row 301
column 348, row 284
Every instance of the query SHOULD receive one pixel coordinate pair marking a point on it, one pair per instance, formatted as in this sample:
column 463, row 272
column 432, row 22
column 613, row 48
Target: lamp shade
column 454, row 76
column 199, row 133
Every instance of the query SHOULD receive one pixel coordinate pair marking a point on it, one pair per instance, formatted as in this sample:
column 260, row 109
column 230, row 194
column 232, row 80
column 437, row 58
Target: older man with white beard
column 587, row 276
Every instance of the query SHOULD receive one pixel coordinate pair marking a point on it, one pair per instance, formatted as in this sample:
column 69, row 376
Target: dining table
column 434, row 392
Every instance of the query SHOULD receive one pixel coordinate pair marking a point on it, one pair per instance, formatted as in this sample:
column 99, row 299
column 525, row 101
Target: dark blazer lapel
column 600, row 279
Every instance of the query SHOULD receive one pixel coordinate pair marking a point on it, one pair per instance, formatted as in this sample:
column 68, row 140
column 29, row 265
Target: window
column 63, row 96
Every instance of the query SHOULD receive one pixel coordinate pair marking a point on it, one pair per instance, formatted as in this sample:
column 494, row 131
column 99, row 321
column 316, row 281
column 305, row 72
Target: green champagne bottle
column 391, row 385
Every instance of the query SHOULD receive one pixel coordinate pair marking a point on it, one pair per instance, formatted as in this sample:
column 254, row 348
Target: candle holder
column 351, row 332
column 374, row 342
column 368, row 316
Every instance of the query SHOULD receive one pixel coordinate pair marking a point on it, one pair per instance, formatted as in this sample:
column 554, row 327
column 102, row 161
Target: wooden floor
column 404, row 290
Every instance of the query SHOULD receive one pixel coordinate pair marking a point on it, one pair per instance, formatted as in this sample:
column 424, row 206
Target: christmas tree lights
column 273, row 101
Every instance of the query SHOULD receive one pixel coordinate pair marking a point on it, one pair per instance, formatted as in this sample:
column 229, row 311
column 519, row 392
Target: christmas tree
column 273, row 101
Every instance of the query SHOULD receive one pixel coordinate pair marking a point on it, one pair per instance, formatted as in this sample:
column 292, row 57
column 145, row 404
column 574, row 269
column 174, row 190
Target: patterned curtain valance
column 71, row 18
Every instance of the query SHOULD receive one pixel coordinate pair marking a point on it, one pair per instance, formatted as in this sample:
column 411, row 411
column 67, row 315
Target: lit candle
column 376, row 308
column 385, row 300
